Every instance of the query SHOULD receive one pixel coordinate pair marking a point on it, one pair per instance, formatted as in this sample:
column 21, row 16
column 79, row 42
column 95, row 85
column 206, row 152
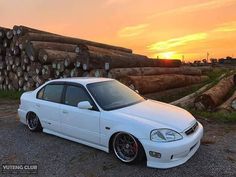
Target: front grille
column 191, row 129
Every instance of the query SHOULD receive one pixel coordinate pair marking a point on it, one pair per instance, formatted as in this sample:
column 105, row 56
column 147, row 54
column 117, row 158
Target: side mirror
column 84, row 105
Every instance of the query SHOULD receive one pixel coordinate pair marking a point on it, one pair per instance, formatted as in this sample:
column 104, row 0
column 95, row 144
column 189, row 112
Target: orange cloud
column 196, row 7
column 226, row 27
column 180, row 41
column 131, row 31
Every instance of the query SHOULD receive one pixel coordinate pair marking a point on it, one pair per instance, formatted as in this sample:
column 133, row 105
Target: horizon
column 169, row 30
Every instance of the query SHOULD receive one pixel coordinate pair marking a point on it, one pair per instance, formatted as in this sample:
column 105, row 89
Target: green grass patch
column 12, row 95
column 225, row 117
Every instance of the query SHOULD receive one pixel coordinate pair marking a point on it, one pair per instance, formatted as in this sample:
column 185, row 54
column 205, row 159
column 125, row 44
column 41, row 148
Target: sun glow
column 167, row 55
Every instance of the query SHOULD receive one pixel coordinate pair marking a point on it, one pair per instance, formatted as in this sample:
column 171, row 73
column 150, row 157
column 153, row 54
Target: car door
column 79, row 123
column 48, row 106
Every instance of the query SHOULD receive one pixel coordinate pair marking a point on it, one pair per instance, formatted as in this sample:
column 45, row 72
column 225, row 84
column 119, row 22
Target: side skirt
column 76, row 140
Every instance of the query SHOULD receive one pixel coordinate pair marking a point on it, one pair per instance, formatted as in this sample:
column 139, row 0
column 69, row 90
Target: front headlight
column 165, row 135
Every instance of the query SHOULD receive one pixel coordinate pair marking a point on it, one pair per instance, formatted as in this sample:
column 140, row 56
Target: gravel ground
column 59, row 157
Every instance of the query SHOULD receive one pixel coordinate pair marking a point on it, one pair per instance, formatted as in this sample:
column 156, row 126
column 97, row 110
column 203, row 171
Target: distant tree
column 213, row 60
column 204, row 60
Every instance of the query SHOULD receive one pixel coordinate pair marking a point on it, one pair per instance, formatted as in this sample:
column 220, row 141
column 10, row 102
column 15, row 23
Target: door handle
column 64, row 112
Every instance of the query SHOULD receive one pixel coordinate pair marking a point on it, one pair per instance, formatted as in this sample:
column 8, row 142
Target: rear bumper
column 173, row 153
column 22, row 115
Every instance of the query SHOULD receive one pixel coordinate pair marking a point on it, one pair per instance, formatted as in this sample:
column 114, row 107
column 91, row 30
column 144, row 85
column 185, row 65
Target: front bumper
column 173, row 153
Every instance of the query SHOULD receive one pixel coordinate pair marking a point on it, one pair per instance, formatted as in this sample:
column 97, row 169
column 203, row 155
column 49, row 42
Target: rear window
column 52, row 92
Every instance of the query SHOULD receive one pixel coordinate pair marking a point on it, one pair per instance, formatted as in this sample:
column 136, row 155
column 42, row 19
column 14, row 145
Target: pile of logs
column 29, row 57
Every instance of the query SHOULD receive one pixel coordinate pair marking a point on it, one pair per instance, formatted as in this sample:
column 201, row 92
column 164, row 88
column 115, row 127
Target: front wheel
column 33, row 122
column 127, row 148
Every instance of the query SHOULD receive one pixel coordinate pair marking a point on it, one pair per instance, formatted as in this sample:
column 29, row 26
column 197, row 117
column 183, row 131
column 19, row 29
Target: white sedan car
column 107, row 115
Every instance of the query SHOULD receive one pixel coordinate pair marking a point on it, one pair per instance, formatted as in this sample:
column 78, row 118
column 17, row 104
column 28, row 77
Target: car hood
column 160, row 113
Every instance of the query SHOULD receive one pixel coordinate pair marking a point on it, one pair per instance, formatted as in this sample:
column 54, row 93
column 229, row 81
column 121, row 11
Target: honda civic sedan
column 107, row 115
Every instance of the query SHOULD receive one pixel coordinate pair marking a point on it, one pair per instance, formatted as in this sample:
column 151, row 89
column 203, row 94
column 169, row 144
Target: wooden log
column 47, row 72
column 9, row 34
column 10, row 87
column 188, row 100
column 3, row 32
column 228, row 105
column 25, row 58
column 19, row 72
column 61, row 66
column 6, row 42
column 155, row 83
column 26, row 76
column 8, row 67
column 22, row 30
column 2, row 78
column 30, row 84
column 100, row 73
column 66, row 73
column 47, row 56
column 32, row 48
column 96, row 60
column 21, row 82
column 31, row 69
column 14, row 68
column 104, row 51
column 75, row 72
column 10, row 60
column 65, row 40
column 40, row 80
column 17, row 61
column 39, row 69
column 2, row 65
column 213, row 97
column 2, row 50
column 146, row 71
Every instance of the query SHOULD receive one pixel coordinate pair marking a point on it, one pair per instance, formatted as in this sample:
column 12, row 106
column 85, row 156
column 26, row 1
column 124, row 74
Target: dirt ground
column 59, row 157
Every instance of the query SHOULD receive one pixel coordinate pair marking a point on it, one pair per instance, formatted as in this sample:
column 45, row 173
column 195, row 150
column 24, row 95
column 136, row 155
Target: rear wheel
column 33, row 122
column 127, row 148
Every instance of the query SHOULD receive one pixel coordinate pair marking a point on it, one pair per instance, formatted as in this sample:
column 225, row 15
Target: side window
column 53, row 92
column 40, row 94
column 74, row 95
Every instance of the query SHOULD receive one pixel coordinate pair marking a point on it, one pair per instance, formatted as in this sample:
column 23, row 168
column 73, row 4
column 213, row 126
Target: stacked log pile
column 29, row 57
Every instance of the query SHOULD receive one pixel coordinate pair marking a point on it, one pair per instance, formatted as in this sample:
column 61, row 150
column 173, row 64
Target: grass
column 225, row 117
column 12, row 95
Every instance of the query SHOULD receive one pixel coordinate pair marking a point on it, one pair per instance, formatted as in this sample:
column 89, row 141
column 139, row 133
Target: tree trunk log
column 65, row 40
column 228, row 105
column 155, row 83
column 213, row 97
column 188, row 101
column 33, row 47
column 146, row 71
column 48, row 56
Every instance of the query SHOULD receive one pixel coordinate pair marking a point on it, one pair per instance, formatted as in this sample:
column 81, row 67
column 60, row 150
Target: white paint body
column 88, row 127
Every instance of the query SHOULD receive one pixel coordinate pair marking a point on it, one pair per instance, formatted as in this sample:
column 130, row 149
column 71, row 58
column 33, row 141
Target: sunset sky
column 167, row 29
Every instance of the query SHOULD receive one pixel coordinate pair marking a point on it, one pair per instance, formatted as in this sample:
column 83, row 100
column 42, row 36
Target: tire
column 33, row 122
column 127, row 148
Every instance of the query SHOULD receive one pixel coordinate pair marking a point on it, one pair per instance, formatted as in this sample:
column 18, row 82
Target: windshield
column 112, row 95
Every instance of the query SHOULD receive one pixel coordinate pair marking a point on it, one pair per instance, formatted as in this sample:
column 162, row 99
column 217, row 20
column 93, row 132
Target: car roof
column 83, row 80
